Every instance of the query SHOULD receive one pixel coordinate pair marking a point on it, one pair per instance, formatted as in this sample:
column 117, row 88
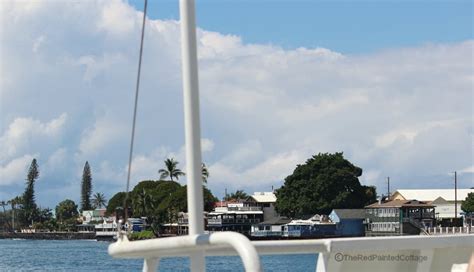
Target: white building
column 443, row 199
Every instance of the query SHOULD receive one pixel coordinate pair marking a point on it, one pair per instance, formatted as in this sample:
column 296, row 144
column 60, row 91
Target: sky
column 389, row 83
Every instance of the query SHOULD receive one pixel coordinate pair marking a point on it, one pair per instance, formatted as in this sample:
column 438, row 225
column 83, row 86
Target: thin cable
column 135, row 112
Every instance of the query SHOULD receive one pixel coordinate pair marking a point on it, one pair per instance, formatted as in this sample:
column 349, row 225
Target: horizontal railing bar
column 186, row 245
column 401, row 243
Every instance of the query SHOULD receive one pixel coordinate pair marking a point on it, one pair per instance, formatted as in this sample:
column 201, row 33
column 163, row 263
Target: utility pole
column 388, row 187
column 455, row 195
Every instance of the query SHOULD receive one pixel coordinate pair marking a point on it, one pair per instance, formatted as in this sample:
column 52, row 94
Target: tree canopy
column 66, row 209
column 325, row 182
column 161, row 201
column 468, row 203
column 237, row 195
column 116, row 201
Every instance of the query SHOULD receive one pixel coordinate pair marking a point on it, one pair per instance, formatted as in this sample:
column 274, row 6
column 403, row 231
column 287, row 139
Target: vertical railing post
column 192, row 125
column 150, row 265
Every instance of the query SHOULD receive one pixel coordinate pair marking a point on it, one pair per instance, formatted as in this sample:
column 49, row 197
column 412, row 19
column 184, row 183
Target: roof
column 349, row 213
column 300, row 222
column 264, row 197
column 400, row 204
column 235, row 212
column 225, row 203
column 276, row 221
column 432, row 194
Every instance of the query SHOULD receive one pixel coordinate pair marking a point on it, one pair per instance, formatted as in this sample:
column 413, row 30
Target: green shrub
column 142, row 235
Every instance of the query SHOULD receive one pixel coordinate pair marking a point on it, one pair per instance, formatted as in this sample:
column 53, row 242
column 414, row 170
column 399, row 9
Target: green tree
column 99, row 201
column 237, row 195
column 171, row 170
column 148, row 194
column 66, row 210
column 45, row 214
column 468, row 204
column 29, row 210
column 86, row 188
column 115, row 202
column 142, row 203
column 15, row 203
column 204, row 172
column 324, row 182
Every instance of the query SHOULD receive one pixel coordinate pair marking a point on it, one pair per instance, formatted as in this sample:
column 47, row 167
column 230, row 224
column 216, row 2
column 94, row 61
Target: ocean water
column 82, row 255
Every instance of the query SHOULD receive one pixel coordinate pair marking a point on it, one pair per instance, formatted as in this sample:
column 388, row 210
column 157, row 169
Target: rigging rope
column 125, row 206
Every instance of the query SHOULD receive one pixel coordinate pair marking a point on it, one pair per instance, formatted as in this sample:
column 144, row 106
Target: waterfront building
column 270, row 228
column 349, row 222
column 316, row 227
column 182, row 227
column 442, row 199
column 96, row 215
column 266, row 201
column 240, row 215
column 399, row 217
column 231, row 216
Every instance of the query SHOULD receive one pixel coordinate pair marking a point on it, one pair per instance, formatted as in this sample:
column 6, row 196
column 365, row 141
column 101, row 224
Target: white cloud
column 117, row 18
column 14, row 172
column 207, row 145
column 403, row 112
column 24, row 133
column 106, row 131
column 57, row 159
column 469, row 169
column 268, row 172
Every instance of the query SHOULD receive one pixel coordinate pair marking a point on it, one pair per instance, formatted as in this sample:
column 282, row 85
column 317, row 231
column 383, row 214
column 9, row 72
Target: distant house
column 315, row 227
column 237, row 217
column 96, row 215
column 240, row 215
column 349, row 222
column 266, row 201
column 270, row 228
column 399, row 217
column 443, row 199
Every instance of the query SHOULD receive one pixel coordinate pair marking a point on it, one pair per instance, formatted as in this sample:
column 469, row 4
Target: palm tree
column 171, row 170
column 99, row 200
column 238, row 195
column 143, row 203
column 14, row 202
column 204, row 172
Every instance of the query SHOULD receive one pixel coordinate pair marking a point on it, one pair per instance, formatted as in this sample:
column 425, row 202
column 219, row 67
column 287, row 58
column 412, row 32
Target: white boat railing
column 401, row 253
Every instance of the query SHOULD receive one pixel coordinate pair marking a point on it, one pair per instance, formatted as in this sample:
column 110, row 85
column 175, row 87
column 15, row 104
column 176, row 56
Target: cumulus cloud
column 403, row 112
column 15, row 170
column 23, row 132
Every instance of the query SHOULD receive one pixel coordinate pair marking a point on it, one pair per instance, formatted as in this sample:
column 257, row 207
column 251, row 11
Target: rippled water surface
column 81, row 255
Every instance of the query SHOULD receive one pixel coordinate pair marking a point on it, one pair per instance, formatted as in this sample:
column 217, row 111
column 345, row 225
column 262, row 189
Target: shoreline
column 49, row 236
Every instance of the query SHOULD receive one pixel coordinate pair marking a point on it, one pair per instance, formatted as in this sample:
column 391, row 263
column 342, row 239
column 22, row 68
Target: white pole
column 192, row 125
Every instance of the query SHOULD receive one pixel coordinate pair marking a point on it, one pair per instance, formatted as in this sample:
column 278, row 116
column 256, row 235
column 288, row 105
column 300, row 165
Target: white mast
column 192, row 125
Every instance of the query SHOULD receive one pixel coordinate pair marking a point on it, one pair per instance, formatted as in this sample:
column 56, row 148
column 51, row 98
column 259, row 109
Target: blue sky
column 344, row 26
column 389, row 84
